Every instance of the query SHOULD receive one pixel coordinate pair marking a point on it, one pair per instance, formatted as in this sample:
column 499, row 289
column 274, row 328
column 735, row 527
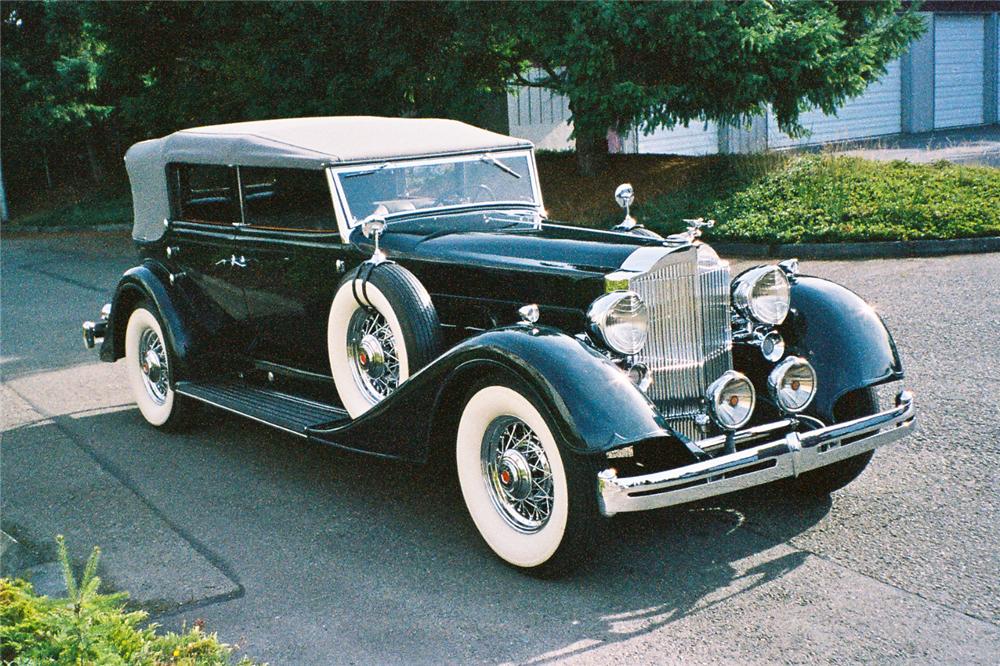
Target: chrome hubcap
column 517, row 473
column 153, row 363
column 372, row 350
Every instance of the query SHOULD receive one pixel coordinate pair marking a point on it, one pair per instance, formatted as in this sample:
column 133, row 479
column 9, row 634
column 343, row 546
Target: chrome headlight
column 762, row 294
column 792, row 384
column 731, row 399
column 619, row 320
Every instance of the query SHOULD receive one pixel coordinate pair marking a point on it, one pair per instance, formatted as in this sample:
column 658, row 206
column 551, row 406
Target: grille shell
column 689, row 342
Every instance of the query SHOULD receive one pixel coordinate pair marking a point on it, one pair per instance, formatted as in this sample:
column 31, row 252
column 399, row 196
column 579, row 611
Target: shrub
column 88, row 627
column 823, row 198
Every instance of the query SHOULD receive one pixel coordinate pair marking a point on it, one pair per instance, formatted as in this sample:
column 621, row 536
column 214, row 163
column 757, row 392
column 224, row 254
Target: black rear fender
column 150, row 283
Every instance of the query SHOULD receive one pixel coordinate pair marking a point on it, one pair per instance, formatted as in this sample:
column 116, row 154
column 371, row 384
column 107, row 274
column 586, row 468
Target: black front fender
column 843, row 337
column 593, row 405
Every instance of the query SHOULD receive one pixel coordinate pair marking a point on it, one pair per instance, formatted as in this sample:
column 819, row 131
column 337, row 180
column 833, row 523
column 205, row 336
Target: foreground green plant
column 87, row 627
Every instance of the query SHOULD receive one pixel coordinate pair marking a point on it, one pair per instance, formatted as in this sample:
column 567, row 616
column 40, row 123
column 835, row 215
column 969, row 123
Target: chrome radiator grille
column 690, row 341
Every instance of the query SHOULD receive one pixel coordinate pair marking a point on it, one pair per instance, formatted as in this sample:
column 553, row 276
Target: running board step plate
column 280, row 410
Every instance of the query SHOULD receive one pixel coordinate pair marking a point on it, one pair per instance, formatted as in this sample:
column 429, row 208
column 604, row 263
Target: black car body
column 393, row 286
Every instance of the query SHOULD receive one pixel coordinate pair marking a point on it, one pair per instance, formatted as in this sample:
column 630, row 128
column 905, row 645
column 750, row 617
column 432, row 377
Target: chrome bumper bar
column 795, row 453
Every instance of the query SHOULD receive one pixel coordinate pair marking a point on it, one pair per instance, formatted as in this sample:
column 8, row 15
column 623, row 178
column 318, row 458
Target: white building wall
column 698, row 138
column 876, row 112
column 540, row 116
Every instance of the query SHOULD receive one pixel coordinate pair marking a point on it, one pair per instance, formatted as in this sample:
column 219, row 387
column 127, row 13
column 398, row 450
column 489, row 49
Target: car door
column 202, row 244
column 294, row 260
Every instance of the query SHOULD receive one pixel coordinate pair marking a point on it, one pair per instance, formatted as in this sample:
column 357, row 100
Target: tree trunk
column 591, row 154
column 4, row 215
column 591, row 139
column 48, row 172
column 96, row 172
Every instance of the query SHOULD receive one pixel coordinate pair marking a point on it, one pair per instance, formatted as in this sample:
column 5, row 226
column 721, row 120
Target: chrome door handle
column 234, row 261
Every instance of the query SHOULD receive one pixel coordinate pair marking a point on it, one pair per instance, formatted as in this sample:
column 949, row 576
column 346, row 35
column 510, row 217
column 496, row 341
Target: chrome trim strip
column 789, row 456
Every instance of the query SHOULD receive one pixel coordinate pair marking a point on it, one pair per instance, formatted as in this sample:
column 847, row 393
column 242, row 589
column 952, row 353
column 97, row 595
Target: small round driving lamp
column 762, row 294
column 792, row 384
column 619, row 320
column 731, row 399
column 772, row 346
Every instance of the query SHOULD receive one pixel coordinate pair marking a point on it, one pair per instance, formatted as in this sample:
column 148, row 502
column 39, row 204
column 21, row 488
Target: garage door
column 877, row 111
column 695, row 139
column 958, row 70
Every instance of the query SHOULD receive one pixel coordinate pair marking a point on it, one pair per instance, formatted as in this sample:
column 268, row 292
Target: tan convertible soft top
column 304, row 143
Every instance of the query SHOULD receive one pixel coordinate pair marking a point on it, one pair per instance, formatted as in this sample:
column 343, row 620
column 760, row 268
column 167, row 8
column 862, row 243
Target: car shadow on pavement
column 393, row 540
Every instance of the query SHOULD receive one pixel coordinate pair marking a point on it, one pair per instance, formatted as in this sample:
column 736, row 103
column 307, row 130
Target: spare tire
column 382, row 328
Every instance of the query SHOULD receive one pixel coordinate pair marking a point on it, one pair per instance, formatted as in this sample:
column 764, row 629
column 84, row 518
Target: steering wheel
column 483, row 193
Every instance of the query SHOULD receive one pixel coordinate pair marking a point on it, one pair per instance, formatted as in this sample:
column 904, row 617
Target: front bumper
column 94, row 331
column 793, row 454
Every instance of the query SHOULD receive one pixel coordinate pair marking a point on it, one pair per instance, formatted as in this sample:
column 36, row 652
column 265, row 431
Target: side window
column 205, row 193
column 287, row 199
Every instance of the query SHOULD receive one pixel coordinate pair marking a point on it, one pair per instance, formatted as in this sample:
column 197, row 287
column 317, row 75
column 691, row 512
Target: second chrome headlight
column 619, row 320
column 731, row 400
column 792, row 384
column 763, row 294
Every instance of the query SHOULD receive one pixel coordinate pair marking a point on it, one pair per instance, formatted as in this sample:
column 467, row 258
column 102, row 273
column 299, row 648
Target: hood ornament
column 693, row 231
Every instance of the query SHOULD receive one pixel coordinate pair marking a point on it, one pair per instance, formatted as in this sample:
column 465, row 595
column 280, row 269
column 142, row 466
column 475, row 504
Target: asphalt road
column 305, row 555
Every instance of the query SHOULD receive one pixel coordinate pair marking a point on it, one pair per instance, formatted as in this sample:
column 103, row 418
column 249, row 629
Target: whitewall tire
column 377, row 346
column 147, row 365
column 533, row 506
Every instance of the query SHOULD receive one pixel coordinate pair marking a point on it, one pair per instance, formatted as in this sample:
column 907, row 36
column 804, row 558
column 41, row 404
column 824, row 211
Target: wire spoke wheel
column 517, row 474
column 152, row 359
column 373, row 354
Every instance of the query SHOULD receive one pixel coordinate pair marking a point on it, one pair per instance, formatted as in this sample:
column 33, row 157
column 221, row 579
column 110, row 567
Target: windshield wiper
column 486, row 157
column 365, row 173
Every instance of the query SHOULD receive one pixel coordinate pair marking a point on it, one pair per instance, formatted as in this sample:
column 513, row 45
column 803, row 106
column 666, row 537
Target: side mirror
column 625, row 195
column 373, row 227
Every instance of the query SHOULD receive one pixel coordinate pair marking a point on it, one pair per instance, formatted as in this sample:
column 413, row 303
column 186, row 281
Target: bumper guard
column 790, row 456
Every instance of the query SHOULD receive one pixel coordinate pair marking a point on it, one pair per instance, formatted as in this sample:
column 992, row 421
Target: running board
column 279, row 410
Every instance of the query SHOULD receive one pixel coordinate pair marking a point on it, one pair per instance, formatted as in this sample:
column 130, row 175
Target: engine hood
column 503, row 240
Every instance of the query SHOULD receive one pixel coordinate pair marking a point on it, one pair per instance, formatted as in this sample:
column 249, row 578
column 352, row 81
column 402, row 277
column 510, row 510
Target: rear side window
column 205, row 193
column 287, row 199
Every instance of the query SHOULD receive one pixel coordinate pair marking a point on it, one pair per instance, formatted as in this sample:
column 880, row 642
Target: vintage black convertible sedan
column 393, row 286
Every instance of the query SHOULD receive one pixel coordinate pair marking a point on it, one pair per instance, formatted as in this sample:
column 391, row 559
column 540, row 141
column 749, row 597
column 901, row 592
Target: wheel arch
column 150, row 282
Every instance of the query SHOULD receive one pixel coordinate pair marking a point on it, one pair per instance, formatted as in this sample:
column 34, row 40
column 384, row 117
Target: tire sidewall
column 140, row 320
column 514, row 547
column 341, row 311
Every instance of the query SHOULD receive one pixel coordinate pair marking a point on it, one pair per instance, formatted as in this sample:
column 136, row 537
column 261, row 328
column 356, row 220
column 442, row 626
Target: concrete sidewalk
column 968, row 145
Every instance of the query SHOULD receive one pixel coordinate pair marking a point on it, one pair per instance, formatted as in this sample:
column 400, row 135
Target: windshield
column 401, row 187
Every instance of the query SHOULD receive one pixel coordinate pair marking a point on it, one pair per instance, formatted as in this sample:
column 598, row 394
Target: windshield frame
column 346, row 221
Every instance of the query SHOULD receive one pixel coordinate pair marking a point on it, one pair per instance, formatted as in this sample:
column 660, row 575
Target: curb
column 58, row 229
column 849, row 250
